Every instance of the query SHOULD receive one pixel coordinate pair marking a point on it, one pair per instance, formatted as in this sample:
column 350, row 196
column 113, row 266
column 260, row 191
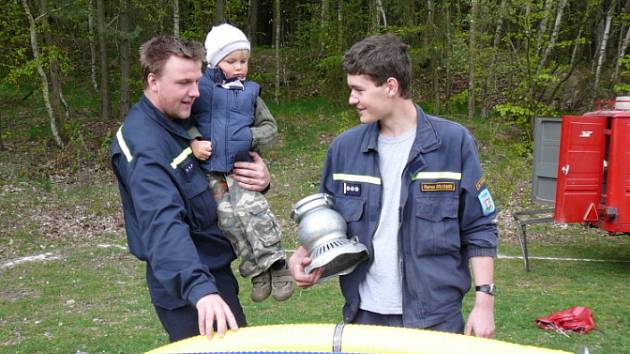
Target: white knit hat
column 223, row 40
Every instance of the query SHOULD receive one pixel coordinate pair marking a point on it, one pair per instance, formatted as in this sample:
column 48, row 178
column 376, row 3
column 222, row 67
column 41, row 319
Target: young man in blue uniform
column 170, row 214
column 411, row 188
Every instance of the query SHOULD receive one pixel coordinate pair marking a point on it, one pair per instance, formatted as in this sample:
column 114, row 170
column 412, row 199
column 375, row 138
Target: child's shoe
column 281, row 283
column 261, row 286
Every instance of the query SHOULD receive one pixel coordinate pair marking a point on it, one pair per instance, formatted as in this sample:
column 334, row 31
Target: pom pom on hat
column 223, row 40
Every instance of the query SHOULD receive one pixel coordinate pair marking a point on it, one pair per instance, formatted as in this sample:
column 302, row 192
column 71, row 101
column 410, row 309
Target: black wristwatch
column 489, row 289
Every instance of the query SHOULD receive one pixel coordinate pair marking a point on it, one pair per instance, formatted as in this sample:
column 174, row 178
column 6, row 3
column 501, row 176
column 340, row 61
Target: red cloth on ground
column 577, row 319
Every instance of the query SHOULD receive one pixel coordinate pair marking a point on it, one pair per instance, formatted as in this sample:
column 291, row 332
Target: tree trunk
column 340, row 27
column 1, row 141
column 434, row 57
column 623, row 45
column 602, row 47
column 104, row 92
column 252, row 21
column 620, row 55
column 571, row 62
column 472, row 48
column 490, row 86
column 380, row 14
column 175, row 18
column 92, row 39
column 276, row 40
column 323, row 26
column 409, row 13
column 372, row 17
column 447, row 50
column 495, row 46
column 554, row 35
column 124, row 57
column 57, row 100
column 219, row 16
column 528, row 54
column 542, row 29
column 36, row 55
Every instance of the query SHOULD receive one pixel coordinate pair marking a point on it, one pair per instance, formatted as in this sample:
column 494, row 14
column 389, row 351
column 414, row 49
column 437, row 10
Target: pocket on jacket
column 437, row 226
column 351, row 209
column 200, row 201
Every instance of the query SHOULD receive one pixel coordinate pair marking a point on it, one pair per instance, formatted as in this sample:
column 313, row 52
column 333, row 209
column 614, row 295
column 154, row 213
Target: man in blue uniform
column 170, row 214
column 410, row 187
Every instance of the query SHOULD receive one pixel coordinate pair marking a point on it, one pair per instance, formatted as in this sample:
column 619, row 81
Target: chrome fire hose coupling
column 322, row 231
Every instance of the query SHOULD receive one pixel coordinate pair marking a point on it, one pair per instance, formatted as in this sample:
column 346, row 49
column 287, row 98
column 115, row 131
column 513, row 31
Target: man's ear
column 392, row 86
column 152, row 81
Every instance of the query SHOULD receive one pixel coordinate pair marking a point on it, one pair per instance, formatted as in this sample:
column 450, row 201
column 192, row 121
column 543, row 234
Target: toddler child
column 233, row 120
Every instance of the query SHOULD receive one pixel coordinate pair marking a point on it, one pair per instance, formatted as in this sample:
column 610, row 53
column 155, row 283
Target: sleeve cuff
column 194, row 133
column 481, row 252
column 200, row 291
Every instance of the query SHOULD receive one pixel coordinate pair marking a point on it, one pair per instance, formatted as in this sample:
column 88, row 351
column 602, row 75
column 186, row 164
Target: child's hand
column 202, row 149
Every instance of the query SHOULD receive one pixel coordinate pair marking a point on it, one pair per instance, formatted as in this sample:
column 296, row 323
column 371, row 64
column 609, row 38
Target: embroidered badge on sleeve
column 487, row 204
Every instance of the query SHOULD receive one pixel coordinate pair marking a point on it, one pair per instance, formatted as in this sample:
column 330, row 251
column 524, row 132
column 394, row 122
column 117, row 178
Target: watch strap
column 489, row 289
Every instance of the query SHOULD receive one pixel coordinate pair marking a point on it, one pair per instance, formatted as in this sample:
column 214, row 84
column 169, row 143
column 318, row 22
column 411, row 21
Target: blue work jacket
column 225, row 116
column 170, row 214
column 446, row 214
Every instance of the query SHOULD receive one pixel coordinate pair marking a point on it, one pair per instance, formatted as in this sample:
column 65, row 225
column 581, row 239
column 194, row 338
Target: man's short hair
column 157, row 50
column 381, row 57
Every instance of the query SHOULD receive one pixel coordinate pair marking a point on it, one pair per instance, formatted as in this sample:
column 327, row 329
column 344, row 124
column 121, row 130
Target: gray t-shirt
column 381, row 290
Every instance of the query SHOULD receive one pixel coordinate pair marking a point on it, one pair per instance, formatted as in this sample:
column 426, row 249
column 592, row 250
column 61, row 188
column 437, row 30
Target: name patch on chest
column 437, row 187
column 352, row 189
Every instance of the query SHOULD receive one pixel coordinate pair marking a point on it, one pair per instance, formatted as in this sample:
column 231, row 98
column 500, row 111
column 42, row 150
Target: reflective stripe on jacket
column 442, row 220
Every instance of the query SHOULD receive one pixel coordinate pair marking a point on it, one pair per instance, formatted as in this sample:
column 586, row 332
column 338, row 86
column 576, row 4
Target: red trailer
column 593, row 178
column 593, row 184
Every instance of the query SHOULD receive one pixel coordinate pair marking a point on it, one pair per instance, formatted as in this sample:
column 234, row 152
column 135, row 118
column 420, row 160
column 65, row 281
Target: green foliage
column 458, row 103
column 516, row 114
column 332, row 78
column 623, row 88
column 26, row 72
column 520, row 117
column 544, row 79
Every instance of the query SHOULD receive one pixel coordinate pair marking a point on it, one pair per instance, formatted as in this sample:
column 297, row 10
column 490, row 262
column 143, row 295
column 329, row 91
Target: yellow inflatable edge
column 348, row 338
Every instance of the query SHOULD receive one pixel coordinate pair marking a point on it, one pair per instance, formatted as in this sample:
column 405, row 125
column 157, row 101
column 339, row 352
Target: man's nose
column 353, row 100
column 194, row 91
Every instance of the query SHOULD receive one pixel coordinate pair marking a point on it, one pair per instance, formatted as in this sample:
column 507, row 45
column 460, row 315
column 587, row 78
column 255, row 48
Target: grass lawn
column 90, row 296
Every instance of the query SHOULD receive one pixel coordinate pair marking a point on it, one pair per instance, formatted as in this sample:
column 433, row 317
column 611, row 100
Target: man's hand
column 211, row 308
column 297, row 262
column 253, row 176
column 202, row 149
column 481, row 319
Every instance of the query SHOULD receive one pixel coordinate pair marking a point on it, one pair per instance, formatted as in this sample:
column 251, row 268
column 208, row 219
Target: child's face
column 235, row 64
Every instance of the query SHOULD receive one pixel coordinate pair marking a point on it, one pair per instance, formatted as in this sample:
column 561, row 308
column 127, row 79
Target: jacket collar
column 176, row 126
column 215, row 75
column 427, row 138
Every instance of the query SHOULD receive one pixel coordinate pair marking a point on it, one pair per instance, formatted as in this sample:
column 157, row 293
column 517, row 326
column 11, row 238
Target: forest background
column 69, row 72
column 512, row 58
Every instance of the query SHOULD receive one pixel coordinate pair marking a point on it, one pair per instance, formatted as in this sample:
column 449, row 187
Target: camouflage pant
column 246, row 220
